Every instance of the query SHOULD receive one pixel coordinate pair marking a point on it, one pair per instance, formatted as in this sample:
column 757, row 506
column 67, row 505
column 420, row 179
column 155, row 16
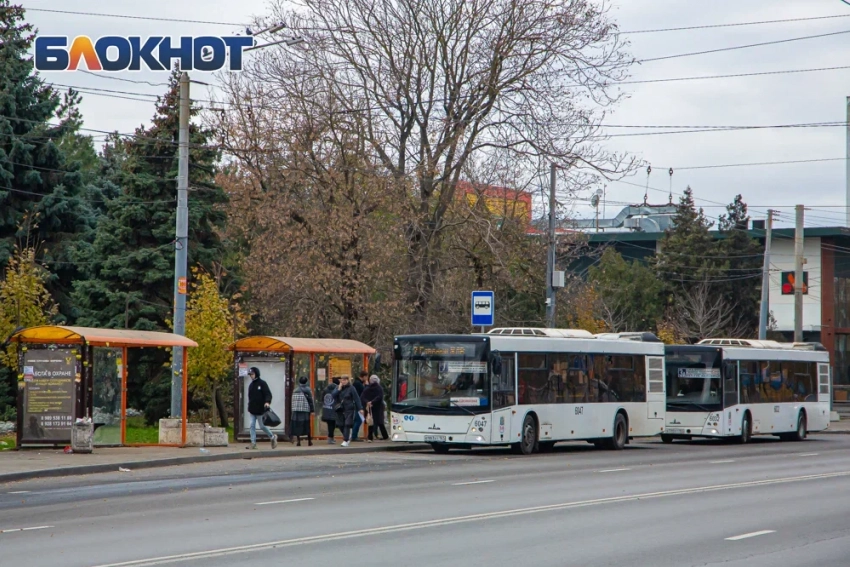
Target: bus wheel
column 546, row 446
column 746, row 430
column 528, row 442
column 440, row 448
column 666, row 439
column 800, row 434
column 618, row 439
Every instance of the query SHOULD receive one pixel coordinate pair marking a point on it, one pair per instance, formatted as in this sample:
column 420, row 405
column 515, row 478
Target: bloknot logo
column 115, row 53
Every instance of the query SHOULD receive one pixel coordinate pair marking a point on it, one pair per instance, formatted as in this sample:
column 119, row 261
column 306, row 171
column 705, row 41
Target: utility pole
column 550, row 262
column 798, row 276
column 847, row 165
column 181, row 245
column 765, row 279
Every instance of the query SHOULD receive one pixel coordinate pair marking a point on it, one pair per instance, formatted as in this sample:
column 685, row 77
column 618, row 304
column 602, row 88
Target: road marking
column 722, row 462
column 19, row 492
column 283, row 501
column 13, row 530
column 808, row 454
column 324, row 538
column 749, row 535
column 615, row 470
column 473, row 482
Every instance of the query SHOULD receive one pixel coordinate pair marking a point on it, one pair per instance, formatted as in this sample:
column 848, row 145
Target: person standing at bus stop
column 350, row 408
column 359, row 386
column 302, row 409
column 329, row 409
column 259, row 400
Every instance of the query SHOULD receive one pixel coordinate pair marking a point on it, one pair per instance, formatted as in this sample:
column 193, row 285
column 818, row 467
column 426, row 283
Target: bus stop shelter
column 281, row 360
column 69, row 373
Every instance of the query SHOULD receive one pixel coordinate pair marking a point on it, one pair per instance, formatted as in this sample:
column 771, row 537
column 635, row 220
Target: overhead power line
column 748, row 46
column 733, row 76
column 104, row 76
column 737, row 24
column 129, row 17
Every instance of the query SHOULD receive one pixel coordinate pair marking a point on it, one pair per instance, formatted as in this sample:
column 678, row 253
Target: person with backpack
column 329, row 409
column 302, row 409
column 259, row 400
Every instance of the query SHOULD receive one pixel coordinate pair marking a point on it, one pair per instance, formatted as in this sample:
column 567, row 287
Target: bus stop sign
column 483, row 308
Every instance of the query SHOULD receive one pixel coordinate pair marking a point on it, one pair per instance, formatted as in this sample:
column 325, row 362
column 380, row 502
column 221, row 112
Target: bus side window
column 730, row 389
column 504, row 384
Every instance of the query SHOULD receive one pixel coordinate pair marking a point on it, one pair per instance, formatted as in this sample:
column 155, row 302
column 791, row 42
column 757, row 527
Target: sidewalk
column 42, row 463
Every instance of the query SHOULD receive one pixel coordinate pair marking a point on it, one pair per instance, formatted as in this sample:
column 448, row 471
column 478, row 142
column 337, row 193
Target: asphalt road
column 687, row 504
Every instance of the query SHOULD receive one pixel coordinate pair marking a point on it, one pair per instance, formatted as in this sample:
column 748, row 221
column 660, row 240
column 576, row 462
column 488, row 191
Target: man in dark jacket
column 259, row 400
column 350, row 406
column 359, row 386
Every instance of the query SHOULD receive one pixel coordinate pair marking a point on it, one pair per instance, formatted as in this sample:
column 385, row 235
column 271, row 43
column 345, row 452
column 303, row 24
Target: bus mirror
column 376, row 362
column 496, row 363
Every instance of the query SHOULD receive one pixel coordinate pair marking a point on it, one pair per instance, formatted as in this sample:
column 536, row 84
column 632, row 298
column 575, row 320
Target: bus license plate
column 674, row 430
column 435, row 438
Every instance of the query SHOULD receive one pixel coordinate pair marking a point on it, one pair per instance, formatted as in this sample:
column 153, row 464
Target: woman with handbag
column 373, row 401
column 349, row 406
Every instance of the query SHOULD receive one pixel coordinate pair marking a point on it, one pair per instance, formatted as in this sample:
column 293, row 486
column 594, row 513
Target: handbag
column 270, row 418
column 369, row 419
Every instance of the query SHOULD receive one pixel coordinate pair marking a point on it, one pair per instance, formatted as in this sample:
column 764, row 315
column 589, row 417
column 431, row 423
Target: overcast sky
column 812, row 97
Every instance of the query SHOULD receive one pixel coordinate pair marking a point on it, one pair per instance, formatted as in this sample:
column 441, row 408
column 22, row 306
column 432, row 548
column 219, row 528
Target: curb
column 176, row 461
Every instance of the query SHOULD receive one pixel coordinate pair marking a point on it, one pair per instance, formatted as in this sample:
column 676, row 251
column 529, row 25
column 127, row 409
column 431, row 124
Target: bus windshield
column 693, row 380
column 441, row 374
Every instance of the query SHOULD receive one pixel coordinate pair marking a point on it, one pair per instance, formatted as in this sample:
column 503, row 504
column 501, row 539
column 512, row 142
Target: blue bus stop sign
column 483, row 308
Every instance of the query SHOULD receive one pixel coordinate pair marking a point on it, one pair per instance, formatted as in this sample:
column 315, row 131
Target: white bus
column 528, row 388
column 739, row 388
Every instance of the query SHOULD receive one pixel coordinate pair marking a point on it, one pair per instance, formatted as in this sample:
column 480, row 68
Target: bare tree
column 701, row 312
column 433, row 86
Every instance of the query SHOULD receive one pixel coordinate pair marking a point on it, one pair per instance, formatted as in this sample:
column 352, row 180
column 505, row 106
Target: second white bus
column 737, row 388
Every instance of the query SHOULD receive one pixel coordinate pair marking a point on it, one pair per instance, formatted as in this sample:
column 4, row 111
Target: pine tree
column 42, row 201
column 130, row 282
column 744, row 258
column 688, row 251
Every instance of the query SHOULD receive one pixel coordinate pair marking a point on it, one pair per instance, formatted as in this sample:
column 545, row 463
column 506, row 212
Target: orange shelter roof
column 101, row 337
column 293, row 344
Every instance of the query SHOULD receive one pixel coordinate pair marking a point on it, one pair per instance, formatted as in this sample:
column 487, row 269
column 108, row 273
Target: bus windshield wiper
column 455, row 404
column 408, row 407
column 686, row 406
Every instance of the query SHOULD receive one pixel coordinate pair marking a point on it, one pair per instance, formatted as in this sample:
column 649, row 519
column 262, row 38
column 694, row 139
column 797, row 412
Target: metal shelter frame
column 87, row 338
column 289, row 346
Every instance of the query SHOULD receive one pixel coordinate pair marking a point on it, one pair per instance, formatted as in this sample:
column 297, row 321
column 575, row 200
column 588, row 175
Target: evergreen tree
column 688, row 252
column 629, row 293
column 131, row 278
column 744, row 259
column 42, row 201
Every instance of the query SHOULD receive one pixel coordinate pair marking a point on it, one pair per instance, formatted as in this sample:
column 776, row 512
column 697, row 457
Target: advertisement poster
column 49, row 394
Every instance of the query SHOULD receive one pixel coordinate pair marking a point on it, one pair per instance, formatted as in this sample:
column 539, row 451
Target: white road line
column 749, row 535
column 722, row 462
column 13, row 530
column 808, row 454
column 324, row 538
column 283, row 501
column 19, row 492
column 473, row 482
column 614, row 470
